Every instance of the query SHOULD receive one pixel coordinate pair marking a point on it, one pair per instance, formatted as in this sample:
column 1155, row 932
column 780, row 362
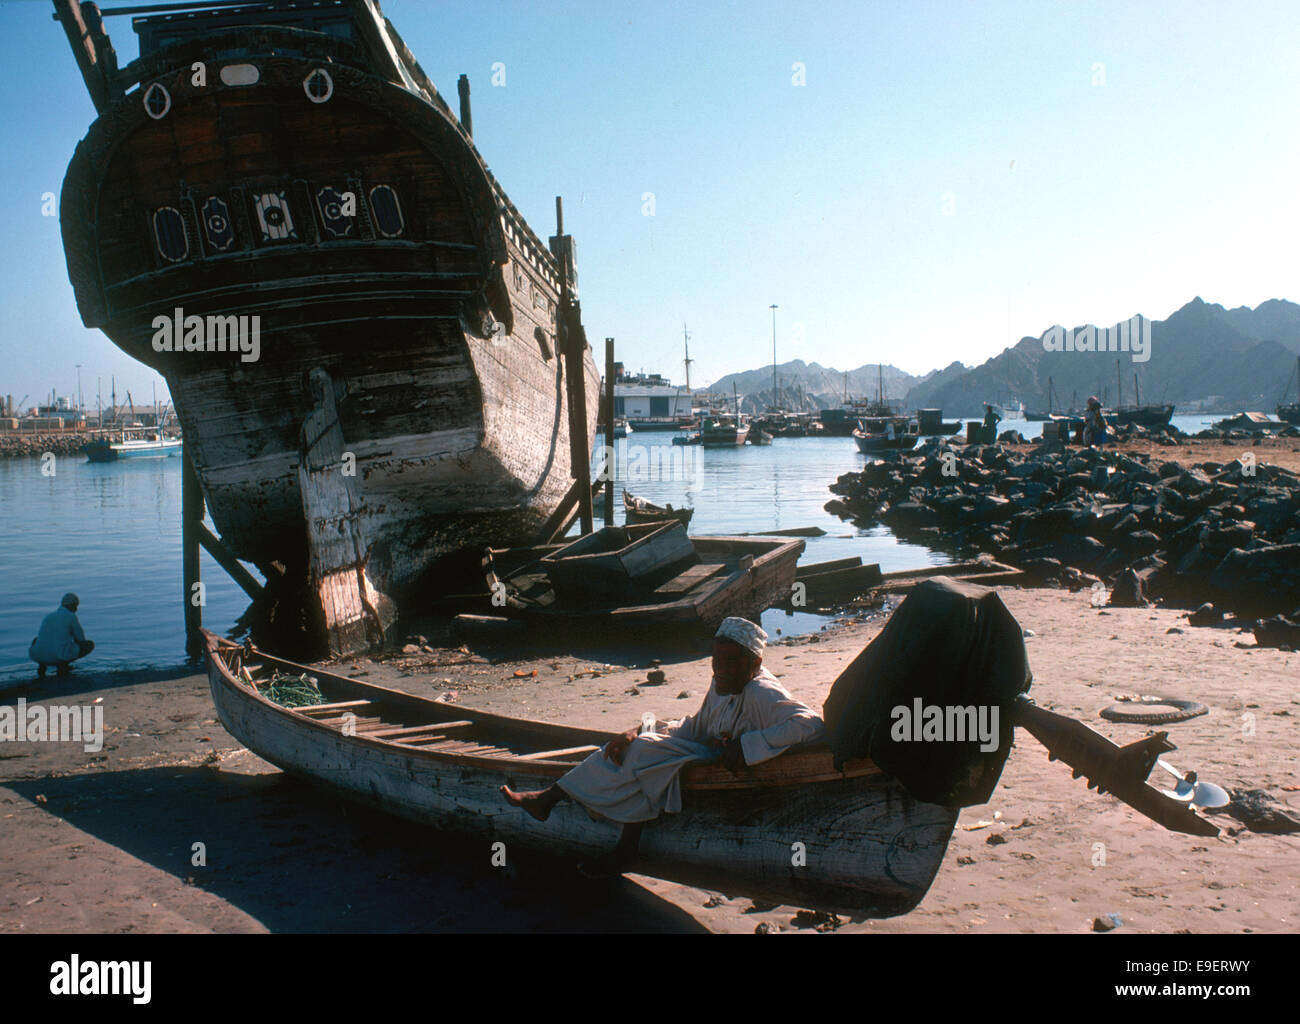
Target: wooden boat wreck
column 870, row 846
column 375, row 360
column 694, row 590
column 639, row 511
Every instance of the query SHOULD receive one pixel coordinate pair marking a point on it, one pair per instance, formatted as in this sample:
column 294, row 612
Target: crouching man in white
column 747, row 718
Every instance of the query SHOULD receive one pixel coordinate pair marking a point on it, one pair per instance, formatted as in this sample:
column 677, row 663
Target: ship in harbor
column 281, row 180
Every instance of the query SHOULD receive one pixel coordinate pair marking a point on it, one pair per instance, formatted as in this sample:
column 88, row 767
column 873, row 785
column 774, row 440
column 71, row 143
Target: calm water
column 112, row 533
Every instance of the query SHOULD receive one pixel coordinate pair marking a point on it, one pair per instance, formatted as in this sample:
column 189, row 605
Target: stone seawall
column 37, row 444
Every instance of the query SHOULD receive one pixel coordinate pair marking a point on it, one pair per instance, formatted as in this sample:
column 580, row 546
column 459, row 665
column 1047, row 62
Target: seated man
column 60, row 641
column 747, row 717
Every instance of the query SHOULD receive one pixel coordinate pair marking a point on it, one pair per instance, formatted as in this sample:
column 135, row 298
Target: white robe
column 763, row 715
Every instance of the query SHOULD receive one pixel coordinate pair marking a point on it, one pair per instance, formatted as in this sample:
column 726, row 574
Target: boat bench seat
column 691, row 578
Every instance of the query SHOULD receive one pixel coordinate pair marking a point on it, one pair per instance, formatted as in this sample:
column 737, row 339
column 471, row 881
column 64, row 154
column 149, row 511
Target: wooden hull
column 792, row 830
column 433, row 311
column 103, row 451
column 868, row 443
column 724, row 438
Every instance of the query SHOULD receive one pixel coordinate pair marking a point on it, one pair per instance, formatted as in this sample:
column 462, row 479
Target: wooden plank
column 803, row 571
column 331, row 707
column 412, row 730
column 542, row 755
column 691, row 578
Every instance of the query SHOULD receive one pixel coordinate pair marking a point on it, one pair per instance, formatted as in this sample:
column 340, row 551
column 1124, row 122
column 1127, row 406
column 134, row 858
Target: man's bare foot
column 537, row 803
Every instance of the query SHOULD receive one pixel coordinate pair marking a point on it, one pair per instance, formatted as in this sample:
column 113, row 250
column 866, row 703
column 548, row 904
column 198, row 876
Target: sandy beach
column 105, row 841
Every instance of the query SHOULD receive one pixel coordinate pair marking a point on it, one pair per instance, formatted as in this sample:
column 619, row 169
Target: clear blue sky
column 951, row 177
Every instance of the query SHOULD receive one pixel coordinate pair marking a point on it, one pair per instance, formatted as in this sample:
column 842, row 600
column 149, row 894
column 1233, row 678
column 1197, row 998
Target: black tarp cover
column 950, row 644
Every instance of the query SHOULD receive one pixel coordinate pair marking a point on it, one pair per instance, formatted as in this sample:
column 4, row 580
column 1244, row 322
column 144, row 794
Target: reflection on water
column 749, row 489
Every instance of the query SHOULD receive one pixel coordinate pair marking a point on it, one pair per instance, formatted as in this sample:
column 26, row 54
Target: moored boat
column 727, row 430
column 885, row 434
column 153, row 447
column 638, row 511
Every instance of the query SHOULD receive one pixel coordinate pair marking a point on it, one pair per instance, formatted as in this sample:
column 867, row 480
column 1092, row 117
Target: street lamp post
column 774, row 396
column 79, row 406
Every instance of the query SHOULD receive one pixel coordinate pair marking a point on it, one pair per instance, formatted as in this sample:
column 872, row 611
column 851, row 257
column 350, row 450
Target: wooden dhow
column 375, row 360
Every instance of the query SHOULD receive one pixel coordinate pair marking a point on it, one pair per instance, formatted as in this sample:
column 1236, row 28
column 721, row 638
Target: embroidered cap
column 743, row 632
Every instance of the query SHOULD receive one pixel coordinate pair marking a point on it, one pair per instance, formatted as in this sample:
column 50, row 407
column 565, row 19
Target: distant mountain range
column 1202, row 357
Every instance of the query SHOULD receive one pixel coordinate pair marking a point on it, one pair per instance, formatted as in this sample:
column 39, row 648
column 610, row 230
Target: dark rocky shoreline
column 1191, row 533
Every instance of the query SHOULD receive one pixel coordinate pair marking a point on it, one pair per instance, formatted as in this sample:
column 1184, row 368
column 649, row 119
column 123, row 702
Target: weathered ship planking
column 867, row 846
column 315, row 187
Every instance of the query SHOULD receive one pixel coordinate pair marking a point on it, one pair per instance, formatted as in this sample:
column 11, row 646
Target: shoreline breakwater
column 17, row 446
column 1227, row 534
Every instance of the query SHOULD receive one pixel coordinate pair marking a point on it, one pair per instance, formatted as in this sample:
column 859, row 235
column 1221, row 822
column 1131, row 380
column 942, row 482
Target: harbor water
column 111, row 532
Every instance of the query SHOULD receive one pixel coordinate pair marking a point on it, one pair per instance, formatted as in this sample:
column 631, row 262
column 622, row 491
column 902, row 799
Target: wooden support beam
column 609, row 432
column 557, row 524
column 191, row 524
column 212, row 544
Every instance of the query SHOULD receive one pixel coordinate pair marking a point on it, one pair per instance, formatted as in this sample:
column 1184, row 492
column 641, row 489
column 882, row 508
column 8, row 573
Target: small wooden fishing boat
column 639, row 511
column 792, row 830
column 724, row 576
column 692, row 438
column 759, row 436
column 885, row 434
column 728, row 430
column 619, row 561
column 869, row 846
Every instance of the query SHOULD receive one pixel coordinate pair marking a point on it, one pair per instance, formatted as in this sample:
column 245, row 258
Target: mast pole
column 774, row 398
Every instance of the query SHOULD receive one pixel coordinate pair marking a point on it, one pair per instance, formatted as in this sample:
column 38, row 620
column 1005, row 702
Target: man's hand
column 733, row 754
column 616, row 747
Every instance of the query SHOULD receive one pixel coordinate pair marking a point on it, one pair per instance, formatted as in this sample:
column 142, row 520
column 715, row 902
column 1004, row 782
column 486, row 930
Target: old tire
column 1143, row 711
